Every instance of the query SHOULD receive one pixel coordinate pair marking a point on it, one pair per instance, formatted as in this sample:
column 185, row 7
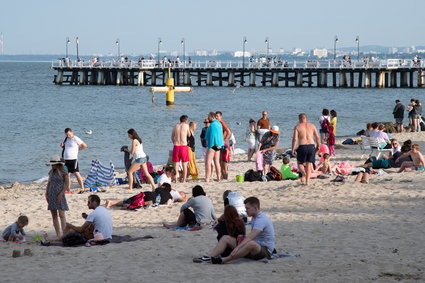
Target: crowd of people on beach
column 217, row 141
column 414, row 109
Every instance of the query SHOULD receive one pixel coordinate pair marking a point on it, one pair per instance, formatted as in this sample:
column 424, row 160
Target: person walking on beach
column 179, row 138
column 71, row 146
column 398, row 113
column 263, row 125
column 55, row 194
column 215, row 142
column 139, row 159
column 305, row 134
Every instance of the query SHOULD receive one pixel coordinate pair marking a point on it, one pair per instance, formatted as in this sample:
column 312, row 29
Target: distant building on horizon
column 320, row 53
column 241, row 54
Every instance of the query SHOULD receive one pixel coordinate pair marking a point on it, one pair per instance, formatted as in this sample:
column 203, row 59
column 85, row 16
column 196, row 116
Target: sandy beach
column 342, row 231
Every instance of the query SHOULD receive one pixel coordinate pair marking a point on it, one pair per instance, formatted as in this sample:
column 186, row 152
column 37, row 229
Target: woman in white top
column 250, row 138
column 139, row 159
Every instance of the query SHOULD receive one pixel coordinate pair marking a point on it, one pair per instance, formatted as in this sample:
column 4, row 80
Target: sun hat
column 275, row 130
column 54, row 160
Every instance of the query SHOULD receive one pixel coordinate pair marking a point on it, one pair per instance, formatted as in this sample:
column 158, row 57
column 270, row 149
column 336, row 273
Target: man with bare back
column 180, row 150
column 304, row 136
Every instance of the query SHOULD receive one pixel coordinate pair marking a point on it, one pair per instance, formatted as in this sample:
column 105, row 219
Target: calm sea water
column 34, row 113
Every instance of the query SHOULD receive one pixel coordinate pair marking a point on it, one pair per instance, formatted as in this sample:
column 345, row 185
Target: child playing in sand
column 286, row 170
column 15, row 231
column 417, row 162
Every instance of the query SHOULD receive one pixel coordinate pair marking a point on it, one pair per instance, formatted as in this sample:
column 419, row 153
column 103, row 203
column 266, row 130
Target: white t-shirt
column 102, row 220
column 236, row 200
column 71, row 148
column 175, row 195
column 163, row 179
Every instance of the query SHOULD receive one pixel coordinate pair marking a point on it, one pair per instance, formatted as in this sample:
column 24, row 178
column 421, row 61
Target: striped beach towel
column 100, row 175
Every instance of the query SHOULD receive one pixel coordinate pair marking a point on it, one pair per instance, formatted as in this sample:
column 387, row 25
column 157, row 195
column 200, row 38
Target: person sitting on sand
column 15, row 232
column 417, row 162
column 203, row 210
column 286, row 170
column 257, row 245
column 167, row 177
column 164, row 191
column 392, row 162
column 237, row 200
column 99, row 220
column 324, row 166
column 396, row 147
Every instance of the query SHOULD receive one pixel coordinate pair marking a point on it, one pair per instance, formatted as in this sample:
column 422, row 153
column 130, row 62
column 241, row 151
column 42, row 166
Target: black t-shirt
column 165, row 195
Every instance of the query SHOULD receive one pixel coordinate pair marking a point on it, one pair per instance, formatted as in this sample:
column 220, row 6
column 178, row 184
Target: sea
column 34, row 113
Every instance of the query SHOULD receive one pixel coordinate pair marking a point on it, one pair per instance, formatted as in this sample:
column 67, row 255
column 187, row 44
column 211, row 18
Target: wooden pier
column 391, row 73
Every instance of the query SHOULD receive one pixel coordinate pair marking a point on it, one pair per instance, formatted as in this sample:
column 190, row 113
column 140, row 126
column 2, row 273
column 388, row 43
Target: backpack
column 324, row 125
column 275, row 174
column 136, row 201
column 252, row 176
column 74, row 239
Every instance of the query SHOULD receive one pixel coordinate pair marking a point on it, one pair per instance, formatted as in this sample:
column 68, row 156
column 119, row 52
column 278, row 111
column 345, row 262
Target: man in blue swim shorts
column 305, row 136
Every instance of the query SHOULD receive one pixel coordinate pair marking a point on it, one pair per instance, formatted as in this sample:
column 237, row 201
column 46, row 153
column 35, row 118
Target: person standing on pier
column 398, row 113
column 71, row 146
column 180, row 150
column 305, row 134
column 263, row 125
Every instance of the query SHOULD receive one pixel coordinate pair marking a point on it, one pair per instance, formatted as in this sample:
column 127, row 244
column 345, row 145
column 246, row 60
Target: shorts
column 264, row 253
column 380, row 163
column 180, row 153
column 306, row 153
column 189, row 217
column 225, row 155
column 141, row 160
column 417, row 116
column 72, row 165
column 323, row 131
column 216, row 148
column 419, row 167
column 411, row 115
column 399, row 121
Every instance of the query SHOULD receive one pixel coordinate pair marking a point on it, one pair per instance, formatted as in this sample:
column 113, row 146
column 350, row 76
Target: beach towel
column 100, row 175
column 259, row 161
column 116, row 239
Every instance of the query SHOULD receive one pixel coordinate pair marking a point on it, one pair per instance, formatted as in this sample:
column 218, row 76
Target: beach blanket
column 100, row 175
column 115, row 240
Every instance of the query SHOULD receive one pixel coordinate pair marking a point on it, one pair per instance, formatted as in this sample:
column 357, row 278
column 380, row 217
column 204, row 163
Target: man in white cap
column 267, row 147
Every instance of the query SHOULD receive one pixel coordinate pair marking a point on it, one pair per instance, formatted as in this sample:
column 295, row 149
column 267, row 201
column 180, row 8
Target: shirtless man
column 417, row 163
column 180, row 150
column 304, row 135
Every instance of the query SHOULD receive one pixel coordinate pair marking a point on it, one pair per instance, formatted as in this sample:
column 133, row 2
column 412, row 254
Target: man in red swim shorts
column 180, row 150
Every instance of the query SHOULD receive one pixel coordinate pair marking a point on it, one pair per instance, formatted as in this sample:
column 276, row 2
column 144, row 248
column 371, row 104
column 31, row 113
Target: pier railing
column 212, row 64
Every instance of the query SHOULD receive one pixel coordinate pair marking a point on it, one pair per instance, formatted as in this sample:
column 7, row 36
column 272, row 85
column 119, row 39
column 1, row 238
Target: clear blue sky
column 40, row 27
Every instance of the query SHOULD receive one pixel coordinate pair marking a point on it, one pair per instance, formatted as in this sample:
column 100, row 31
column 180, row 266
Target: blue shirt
column 214, row 135
column 13, row 230
column 266, row 237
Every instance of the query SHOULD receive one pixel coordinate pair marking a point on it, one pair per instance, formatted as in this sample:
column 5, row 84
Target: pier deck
column 391, row 73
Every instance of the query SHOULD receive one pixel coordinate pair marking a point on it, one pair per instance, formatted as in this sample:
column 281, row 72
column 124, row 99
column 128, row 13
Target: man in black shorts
column 304, row 136
column 71, row 146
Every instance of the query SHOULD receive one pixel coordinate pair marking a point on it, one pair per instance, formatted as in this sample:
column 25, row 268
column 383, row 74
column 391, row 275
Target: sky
column 41, row 27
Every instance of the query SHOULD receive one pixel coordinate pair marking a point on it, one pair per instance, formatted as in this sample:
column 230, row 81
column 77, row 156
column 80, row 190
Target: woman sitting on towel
column 203, row 210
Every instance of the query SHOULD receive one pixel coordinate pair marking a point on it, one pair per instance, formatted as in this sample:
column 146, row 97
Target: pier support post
column 403, row 79
column 119, row 78
column 264, row 80
column 393, row 79
column 242, row 81
column 187, row 78
column 286, row 79
column 310, row 79
column 411, row 78
column 368, row 79
column 342, row 79
column 154, row 78
column 360, row 82
column 334, row 79
column 231, row 79
column 199, row 79
column 299, row 79
column 387, row 80
column 252, row 79
column 351, row 79
column 275, row 79
column 141, row 79
column 100, row 78
column 381, row 79
column 83, row 78
column 420, row 78
column 59, row 78
column 210, row 79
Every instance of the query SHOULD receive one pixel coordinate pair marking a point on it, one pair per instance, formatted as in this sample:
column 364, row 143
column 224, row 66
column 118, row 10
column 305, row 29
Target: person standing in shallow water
column 139, row 159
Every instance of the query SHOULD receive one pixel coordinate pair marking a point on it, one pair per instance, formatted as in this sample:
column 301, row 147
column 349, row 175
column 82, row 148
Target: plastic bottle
column 158, row 199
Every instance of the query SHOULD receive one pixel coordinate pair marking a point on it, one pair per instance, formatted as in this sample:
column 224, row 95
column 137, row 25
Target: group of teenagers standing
column 414, row 110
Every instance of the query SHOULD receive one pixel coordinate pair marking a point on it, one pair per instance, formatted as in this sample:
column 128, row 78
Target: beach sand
column 342, row 231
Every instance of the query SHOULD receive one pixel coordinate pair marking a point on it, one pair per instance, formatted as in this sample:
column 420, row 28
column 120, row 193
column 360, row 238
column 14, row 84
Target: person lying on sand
column 417, row 162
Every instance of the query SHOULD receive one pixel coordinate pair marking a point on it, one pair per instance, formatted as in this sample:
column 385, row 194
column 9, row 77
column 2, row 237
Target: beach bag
column 325, row 124
column 137, row 201
column 275, row 174
column 74, row 239
column 252, row 176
